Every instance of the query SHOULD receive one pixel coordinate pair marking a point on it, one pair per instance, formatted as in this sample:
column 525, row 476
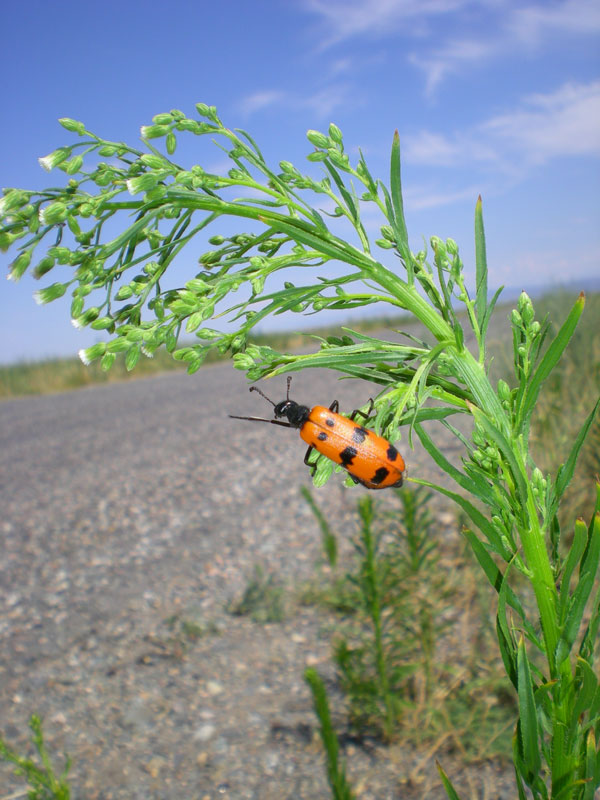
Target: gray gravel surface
column 130, row 511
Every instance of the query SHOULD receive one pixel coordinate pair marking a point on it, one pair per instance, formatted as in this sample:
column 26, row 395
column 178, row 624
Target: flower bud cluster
column 329, row 146
column 485, row 453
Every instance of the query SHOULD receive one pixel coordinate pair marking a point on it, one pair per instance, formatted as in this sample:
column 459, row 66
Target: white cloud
column 531, row 23
column 441, row 51
column 565, row 122
column 451, row 58
column 321, row 104
column 259, row 100
column 430, row 148
column 418, row 199
column 344, row 19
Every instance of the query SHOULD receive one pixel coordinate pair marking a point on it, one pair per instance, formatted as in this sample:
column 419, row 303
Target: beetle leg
column 365, row 414
column 335, row 407
column 311, row 464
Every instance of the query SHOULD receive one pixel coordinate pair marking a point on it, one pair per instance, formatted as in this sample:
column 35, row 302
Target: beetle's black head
column 295, row 413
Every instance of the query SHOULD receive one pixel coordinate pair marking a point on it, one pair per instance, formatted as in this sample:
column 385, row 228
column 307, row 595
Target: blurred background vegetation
column 566, row 399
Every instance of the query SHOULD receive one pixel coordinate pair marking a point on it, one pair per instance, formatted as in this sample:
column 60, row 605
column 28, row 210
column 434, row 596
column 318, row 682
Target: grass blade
column 481, row 270
column 506, row 641
column 592, row 770
column 585, row 584
column 397, row 202
column 329, row 540
column 528, row 724
column 566, row 470
column 450, row 790
column 496, row 578
column 336, row 773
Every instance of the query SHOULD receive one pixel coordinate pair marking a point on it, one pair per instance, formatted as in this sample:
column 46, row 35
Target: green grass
column 42, row 781
column 263, row 599
column 413, row 636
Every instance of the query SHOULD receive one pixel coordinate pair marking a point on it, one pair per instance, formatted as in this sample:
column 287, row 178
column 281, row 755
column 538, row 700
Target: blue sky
column 496, row 97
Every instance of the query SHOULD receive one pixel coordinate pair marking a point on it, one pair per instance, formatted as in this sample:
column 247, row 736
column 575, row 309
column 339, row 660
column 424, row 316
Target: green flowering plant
column 119, row 284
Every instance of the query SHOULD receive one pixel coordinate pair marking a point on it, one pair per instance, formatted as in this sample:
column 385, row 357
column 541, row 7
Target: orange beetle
column 369, row 459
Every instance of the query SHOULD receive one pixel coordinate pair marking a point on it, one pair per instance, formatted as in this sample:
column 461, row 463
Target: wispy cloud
column 442, row 52
column 531, row 23
column 321, row 103
column 259, row 100
column 565, row 122
column 421, row 198
column 344, row 19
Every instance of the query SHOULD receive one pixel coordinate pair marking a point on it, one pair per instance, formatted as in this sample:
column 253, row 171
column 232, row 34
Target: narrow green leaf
column 397, row 202
column 581, row 594
column 481, row 522
column 587, row 688
column 450, row 790
column 488, row 313
column 520, row 788
column 481, row 270
column 580, row 538
column 336, row 772
column 351, row 203
column 506, row 643
column 496, row 579
column 528, row 724
column 566, row 470
column 550, row 359
column 328, row 537
column 588, row 641
column 591, row 770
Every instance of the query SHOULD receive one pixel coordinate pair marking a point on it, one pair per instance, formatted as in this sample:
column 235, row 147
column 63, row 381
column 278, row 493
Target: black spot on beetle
column 380, row 475
column 392, row 453
column 322, row 437
column 347, row 455
column 359, row 434
column 330, row 421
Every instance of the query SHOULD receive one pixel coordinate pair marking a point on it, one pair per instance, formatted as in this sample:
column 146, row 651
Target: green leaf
column 575, row 553
column 336, row 772
column 328, row 537
column 528, row 723
column 591, row 767
column 398, row 205
column 581, row 594
column 483, row 325
column 496, row 578
column 587, row 689
column 506, row 642
column 450, row 790
column 484, row 525
column 481, row 270
column 566, row 470
column 549, row 361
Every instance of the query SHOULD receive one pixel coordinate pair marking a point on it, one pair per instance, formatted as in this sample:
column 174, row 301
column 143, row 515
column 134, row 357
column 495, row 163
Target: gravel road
column 130, row 511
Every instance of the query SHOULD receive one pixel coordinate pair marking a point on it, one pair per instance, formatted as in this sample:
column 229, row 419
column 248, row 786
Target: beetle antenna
column 289, row 381
column 262, row 394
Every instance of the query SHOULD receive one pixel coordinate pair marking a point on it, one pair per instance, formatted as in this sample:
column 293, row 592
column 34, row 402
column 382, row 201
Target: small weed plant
column 124, row 215
column 42, row 781
column 263, row 599
column 408, row 611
